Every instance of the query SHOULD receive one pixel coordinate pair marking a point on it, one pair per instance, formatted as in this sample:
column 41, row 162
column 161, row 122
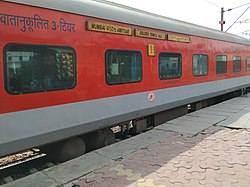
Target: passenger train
column 70, row 70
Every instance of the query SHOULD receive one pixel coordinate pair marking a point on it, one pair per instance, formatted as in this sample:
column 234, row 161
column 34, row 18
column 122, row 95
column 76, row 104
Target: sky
column 201, row 12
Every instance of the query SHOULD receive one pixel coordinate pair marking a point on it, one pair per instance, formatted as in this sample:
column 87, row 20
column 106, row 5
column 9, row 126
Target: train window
column 169, row 65
column 123, row 66
column 221, row 64
column 247, row 63
column 236, row 63
column 32, row 68
column 200, row 64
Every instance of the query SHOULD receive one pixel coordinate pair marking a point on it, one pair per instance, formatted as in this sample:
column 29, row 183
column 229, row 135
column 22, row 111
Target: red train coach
column 70, row 67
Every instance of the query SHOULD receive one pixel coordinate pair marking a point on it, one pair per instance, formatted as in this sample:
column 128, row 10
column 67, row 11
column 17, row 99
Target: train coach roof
column 115, row 12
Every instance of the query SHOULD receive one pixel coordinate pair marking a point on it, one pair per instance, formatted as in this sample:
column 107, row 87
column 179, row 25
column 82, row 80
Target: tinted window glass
column 39, row 68
column 236, row 64
column 221, row 64
column 200, row 65
column 169, row 65
column 123, row 66
column 248, row 63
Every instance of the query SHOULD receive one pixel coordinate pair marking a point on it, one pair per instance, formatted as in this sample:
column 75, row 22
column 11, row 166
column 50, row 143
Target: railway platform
column 209, row 147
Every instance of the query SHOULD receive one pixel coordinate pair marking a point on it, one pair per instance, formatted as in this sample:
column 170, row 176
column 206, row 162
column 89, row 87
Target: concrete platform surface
column 210, row 147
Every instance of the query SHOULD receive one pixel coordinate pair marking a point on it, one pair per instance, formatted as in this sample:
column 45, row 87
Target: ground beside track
column 209, row 147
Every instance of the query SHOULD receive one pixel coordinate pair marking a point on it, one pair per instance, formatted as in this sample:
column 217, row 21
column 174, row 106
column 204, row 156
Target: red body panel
column 90, row 50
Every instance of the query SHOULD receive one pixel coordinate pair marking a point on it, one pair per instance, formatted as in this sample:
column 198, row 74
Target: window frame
column 169, row 53
column 247, row 57
column 193, row 65
column 106, row 66
column 9, row 45
column 223, row 61
column 240, row 64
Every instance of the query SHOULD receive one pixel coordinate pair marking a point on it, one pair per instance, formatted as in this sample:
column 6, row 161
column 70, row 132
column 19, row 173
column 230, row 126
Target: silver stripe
column 72, row 119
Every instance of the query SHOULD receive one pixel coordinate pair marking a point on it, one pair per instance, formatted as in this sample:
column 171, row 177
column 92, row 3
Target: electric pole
column 222, row 22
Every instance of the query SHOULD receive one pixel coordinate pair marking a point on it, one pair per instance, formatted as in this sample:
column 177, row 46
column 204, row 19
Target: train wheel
column 109, row 137
column 100, row 139
column 68, row 149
